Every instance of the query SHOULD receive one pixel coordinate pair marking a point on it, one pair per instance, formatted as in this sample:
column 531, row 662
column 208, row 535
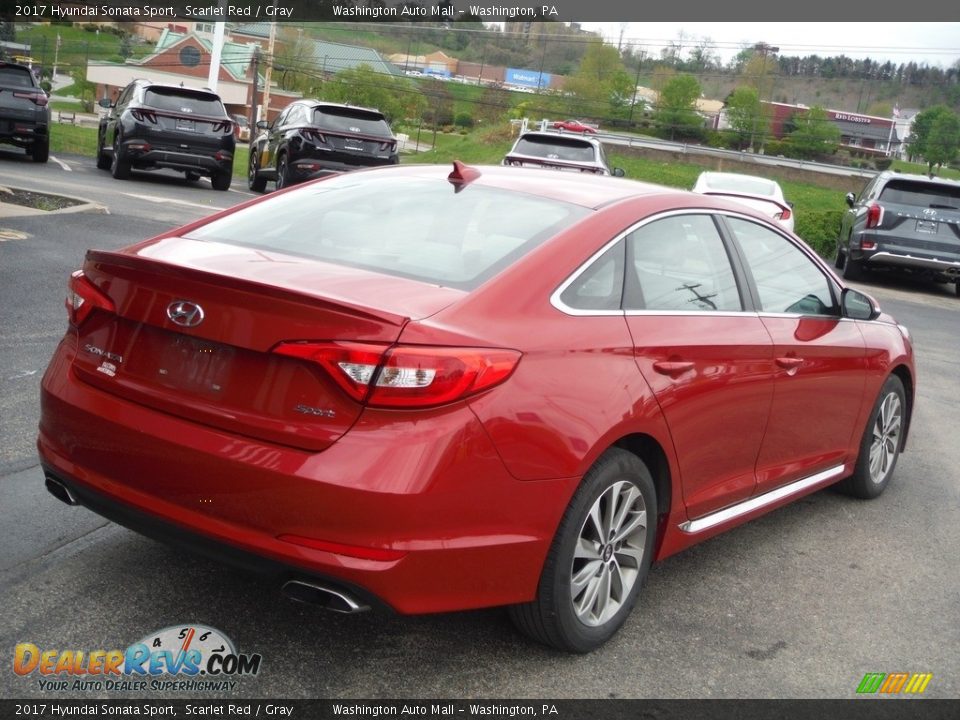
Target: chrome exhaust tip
column 59, row 490
column 326, row 597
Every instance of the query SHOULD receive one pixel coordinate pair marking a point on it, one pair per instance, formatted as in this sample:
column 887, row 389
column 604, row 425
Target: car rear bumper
column 185, row 161
column 419, row 513
column 22, row 132
column 946, row 267
column 315, row 167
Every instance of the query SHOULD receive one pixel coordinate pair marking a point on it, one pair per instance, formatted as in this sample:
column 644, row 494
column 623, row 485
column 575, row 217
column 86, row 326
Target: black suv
column 911, row 222
column 153, row 126
column 311, row 138
column 24, row 112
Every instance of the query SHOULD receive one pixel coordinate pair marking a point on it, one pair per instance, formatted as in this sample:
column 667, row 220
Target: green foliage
column 83, row 90
column 820, row 229
column 676, row 114
column 463, row 120
column 921, row 130
column 883, row 163
column 814, row 135
column 395, row 97
column 744, row 112
column 601, row 84
column 944, row 140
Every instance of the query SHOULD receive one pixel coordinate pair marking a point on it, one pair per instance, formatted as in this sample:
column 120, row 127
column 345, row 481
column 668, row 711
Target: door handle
column 673, row 368
column 790, row 364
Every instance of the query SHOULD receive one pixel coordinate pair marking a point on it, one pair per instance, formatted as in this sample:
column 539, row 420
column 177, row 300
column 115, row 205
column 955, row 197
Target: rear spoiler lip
column 159, row 267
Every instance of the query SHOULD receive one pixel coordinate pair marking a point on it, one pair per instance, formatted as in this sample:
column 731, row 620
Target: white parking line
column 158, row 199
column 62, row 164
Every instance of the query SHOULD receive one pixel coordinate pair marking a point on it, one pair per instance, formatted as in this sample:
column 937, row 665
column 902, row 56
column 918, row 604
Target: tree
column 814, row 135
column 676, row 107
column 922, row 133
column 744, row 112
column 395, row 97
column 943, row 140
column 601, row 83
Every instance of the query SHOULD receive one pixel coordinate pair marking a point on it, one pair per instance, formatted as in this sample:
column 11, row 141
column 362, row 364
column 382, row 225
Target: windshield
column 409, row 227
column 910, row 192
column 15, row 77
column 351, row 120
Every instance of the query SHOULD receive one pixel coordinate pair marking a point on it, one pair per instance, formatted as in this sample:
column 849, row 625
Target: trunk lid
column 221, row 371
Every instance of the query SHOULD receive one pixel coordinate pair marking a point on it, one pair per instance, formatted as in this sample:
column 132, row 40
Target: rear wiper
column 943, row 207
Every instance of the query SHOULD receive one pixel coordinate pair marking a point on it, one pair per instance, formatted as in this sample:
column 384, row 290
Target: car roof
column 150, row 84
column 894, row 175
column 323, row 103
column 590, row 191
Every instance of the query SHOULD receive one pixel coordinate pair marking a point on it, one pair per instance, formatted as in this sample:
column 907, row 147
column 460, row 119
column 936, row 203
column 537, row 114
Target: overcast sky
column 933, row 43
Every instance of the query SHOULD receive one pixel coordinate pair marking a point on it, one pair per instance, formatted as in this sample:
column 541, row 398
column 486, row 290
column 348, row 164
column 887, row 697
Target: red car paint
column 453, row 506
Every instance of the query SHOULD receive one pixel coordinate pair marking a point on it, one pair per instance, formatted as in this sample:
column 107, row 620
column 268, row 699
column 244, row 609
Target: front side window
column 679, row 263
column 787, row 280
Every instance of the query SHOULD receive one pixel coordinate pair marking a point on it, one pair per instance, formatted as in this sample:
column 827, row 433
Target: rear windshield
column 178, row 101
column 410, row 227
column 351, row 120
column 556, row 149
column 733, row 184
column 912, row 192
column 15, row 77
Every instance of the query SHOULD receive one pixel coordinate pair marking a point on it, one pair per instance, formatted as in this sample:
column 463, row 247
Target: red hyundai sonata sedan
column 439, row 390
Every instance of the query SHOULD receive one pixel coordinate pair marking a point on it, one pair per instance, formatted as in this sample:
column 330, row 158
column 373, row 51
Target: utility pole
column 254, row 102
column 56, row 60
column 636, row 84
column 269, row 71
column 213, row 76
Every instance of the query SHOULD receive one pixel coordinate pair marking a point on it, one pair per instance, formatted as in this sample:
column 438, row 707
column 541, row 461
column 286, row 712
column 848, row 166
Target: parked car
column 574, row 126
column 241, row 127
column 759, row 193
column 311, row 138
column 552, row 150
column 24, row 112
column 154, row 126
column 909, row 222
column 444, row 390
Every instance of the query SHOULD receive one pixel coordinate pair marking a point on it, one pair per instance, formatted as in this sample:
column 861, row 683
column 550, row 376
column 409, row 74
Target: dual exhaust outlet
column 305, row 591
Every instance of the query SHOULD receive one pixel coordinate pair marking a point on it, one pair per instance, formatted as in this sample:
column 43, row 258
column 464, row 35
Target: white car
column 760, row 194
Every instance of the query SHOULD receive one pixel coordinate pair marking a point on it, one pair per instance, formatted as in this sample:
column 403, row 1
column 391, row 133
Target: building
column 868, row 134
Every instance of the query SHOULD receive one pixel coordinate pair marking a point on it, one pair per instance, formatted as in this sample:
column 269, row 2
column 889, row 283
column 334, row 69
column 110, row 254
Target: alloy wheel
column 886, row 438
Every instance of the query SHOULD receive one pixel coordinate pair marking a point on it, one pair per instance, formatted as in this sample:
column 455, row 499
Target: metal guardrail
column 739, row 155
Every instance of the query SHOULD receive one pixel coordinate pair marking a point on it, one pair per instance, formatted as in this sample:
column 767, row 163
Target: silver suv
column 911, row 222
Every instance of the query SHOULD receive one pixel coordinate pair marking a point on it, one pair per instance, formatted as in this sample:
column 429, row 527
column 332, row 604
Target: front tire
column 221, row 180
column 254, row 181
column 881, row 443
column 103, row 160
column 284, row 174
column 599, row 558
column 852, row 269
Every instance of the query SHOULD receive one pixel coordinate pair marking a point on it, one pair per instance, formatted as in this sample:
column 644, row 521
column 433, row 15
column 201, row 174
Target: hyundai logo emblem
column 185, row 313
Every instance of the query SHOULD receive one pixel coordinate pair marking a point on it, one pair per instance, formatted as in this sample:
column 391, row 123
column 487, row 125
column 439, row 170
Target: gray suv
column 24, row 112
column 911, row 222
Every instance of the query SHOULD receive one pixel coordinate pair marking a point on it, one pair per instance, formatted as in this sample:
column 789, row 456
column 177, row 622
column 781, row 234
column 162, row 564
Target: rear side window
column 15, row 77
column 172, row 100
column 351, row 120
column 680, row 264
column 411, row 227
column 555, row 149
column 911, row 192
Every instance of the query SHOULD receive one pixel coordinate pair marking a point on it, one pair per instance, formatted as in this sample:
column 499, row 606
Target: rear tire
column 956, row 288
column 40, row 150
column 284, row 175
column 221, row 180
column 838, row 260
column 881, row 443
column 119, row 166
column 852, row 269
column 598, row 560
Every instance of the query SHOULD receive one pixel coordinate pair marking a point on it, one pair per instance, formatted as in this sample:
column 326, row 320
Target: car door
column 705, row 355
column 113, row 117
column 820, row 357
column 274, row 135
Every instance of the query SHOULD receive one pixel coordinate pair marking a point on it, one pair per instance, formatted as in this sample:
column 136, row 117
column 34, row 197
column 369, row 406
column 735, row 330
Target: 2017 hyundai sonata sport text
column 438, row 390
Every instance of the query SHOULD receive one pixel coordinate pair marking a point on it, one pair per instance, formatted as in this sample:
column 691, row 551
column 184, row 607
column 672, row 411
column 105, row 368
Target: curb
column 13, row 210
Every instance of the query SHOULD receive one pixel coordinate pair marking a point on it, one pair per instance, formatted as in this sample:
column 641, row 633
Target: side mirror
column 618, row 172
column 858, row 306
column 105, row 103
column 262, row 125
column 851, row 199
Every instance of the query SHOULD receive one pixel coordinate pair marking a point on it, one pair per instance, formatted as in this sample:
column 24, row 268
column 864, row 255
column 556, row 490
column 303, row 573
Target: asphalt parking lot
column 800, row 603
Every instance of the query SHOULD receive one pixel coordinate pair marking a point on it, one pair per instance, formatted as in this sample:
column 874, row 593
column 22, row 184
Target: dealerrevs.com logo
column 894, row 683
column 186, row 658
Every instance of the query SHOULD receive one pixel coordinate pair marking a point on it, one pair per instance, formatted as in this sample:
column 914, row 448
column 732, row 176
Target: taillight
column 783, row 214
column 144, row 115
column 314, row 135
column 389, row 145
column 407, row 376
column 83, row 298
column 36, row 98
column 874, row 215
column 226, row 127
